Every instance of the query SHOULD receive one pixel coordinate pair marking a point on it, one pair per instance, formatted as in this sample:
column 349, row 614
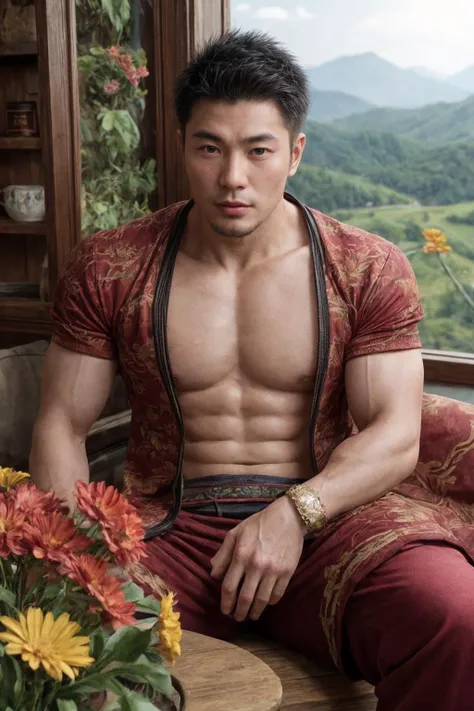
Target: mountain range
column 437, row 123
column 464, row 80
column 376, row 81
column 328, row 105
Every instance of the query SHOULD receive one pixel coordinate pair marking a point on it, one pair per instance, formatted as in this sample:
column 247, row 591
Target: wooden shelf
column 14, row 143
column 21, row 315
column 21, row 49
column 11, row 227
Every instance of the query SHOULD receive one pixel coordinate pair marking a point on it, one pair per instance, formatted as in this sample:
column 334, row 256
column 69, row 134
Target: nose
column 233, row 172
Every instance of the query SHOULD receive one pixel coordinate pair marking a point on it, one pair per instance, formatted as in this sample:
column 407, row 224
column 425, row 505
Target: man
column 247, row 327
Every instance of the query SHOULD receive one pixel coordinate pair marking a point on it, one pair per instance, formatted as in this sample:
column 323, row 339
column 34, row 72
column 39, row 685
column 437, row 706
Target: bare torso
column 243, row 351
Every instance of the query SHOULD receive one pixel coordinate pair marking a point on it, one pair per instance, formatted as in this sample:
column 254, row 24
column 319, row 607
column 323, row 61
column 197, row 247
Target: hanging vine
column 116, row 184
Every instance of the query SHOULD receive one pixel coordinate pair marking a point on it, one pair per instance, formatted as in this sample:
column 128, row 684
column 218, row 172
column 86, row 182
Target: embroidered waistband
column 235, row 487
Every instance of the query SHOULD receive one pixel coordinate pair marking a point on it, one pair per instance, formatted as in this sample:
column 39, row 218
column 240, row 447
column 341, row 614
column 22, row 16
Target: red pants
column 408, row 627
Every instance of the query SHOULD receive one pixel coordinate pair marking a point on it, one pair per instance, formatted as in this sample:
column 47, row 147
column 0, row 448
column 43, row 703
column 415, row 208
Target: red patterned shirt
column 112, row 299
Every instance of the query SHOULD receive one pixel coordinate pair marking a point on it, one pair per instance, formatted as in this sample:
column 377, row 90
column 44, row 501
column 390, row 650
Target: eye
column 260, row 151
column 208, row 149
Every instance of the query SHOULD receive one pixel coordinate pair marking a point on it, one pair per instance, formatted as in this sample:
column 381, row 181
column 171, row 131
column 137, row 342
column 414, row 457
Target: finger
column 262, row 596
column 223, row 557
column 230, row 585
column 247, row 595
column 279, row 590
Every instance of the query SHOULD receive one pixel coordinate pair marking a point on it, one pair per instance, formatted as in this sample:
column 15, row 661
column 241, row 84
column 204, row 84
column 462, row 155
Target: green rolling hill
column 438, row 123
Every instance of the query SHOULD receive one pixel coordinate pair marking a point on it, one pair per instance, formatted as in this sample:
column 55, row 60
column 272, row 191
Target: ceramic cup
column 24, row 203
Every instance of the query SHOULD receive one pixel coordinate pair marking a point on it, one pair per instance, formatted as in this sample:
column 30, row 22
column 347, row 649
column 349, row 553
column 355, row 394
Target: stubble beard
column 235, row 230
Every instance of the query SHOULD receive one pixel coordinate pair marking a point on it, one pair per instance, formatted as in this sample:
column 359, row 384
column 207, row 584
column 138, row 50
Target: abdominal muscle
column 235, row 428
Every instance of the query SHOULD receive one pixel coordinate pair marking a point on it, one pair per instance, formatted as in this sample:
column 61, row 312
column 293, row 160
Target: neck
column 283, row 230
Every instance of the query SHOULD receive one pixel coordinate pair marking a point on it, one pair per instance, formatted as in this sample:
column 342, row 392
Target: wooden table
column 218, row 676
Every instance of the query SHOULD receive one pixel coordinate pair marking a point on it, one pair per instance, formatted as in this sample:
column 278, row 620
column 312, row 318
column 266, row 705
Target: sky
column 436, row 34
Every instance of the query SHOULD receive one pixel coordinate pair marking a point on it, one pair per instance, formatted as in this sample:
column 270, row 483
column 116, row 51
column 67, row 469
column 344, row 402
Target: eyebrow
column 261, row 137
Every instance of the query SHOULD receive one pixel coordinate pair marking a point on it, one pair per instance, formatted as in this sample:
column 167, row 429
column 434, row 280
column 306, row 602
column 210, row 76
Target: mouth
column 233, row 208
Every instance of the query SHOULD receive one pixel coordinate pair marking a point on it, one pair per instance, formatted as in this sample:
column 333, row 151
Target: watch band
column 309, row 506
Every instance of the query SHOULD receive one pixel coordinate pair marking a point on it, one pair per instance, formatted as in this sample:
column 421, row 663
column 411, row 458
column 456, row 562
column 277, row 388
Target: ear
column 297, row 153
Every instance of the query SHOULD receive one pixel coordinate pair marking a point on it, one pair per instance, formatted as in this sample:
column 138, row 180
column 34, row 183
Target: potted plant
column 75, row 633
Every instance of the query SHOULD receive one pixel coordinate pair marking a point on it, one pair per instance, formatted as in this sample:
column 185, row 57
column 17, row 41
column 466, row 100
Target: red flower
column 54, row 536
column 114, row 52
column 29, row 500
column 124, row 537
column 100, row 502
column 111, row 87
column 12, row 530
column 91, row 574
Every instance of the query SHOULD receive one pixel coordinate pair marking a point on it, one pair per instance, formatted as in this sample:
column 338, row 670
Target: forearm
column 365, row 466
column 58, row 457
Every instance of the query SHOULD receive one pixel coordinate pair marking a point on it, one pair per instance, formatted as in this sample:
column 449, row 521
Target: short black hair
column 244, row 66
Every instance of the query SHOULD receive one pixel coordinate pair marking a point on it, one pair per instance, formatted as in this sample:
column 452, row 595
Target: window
column 390, row 135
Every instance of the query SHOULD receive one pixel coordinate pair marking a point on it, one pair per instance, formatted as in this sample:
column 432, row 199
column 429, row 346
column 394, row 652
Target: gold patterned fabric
column 104, row 307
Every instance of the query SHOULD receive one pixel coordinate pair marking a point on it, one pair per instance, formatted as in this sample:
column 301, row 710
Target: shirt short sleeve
column 80, row 321
column 388, row 317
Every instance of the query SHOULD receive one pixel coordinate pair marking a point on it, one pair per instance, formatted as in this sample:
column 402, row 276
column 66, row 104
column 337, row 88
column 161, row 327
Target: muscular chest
column 260, row 327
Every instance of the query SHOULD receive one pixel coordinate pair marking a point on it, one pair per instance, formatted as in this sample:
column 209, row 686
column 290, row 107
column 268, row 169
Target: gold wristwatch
column 309, row 506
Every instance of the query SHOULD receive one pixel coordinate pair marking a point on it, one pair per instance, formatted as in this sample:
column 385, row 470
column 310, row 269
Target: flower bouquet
column 69, row 631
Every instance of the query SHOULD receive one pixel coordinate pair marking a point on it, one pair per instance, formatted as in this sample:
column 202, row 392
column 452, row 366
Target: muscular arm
column 75, row 388
column 384, row 393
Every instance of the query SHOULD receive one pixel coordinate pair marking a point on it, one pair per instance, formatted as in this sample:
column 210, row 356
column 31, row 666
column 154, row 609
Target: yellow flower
column 40, row 639
column 436, row 242
column 169, row 628
column 9, row 477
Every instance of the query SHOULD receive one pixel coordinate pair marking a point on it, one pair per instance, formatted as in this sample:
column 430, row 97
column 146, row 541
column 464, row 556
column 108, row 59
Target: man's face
column 238, row 157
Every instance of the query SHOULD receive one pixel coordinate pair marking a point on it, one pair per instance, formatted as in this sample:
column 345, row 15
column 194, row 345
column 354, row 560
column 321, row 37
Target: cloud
column 243, row 7
column 422, row 18
column 272, row 12
column 303, row 14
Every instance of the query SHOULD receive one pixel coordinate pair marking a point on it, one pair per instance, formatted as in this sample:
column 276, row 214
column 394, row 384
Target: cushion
column 20, row 392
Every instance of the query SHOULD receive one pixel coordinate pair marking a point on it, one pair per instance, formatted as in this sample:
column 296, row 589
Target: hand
column 264, row 550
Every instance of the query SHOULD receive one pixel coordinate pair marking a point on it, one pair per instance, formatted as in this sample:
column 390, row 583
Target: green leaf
column 150, row 604
column 18, row 685
column 51, row 591
column 147, row 671
column 66, row 705
column 132, row 701
column 98, row 641
column 7, row 597
column 108, row 120
column 126, row 645
column 133, row 592
column 100, row 681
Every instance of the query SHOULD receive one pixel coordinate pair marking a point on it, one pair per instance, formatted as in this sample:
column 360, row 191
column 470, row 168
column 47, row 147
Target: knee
column 443, row 620
column 456, row 623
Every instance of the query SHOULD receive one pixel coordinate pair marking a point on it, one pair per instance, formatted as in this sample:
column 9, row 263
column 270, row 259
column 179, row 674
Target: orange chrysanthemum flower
column 85, row 569
column 436, row 242
column 91, row 574
column 100, row 502
column 28, row 499
column 54, row 536
column 116, row 609
column 12, row 530
column 124, row 538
